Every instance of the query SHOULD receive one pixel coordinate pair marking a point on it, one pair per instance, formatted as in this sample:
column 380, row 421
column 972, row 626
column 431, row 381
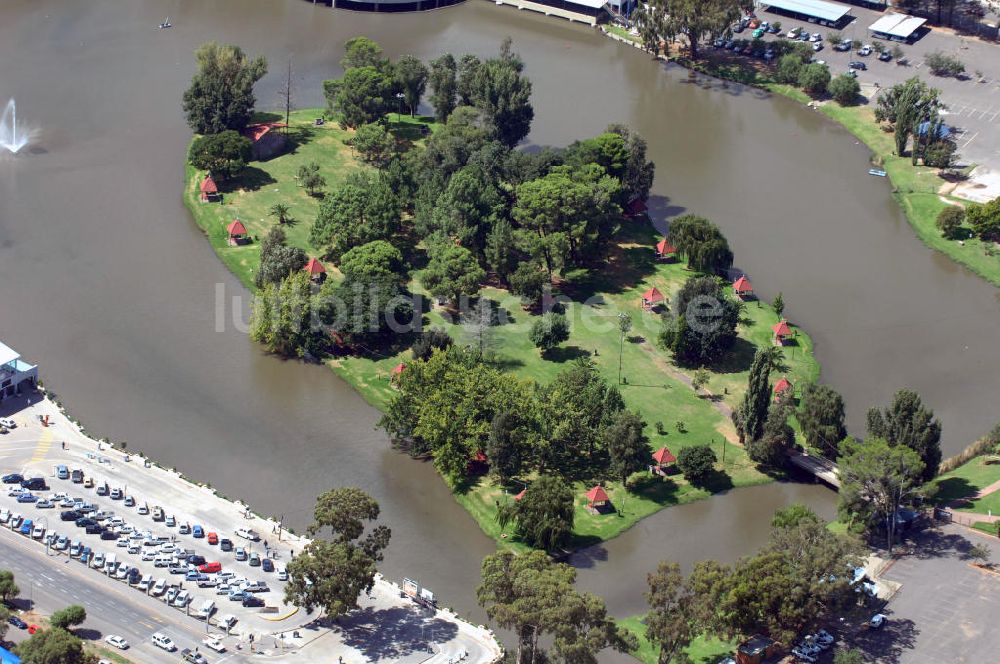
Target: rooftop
column 897, row 25
column 7, row 354
column 826, row 11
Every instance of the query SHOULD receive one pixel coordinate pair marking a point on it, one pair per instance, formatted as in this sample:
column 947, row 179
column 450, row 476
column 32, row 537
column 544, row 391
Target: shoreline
column 920, row 207
column 103, row 456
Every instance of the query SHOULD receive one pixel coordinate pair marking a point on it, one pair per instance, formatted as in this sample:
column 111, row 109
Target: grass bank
column 703, row 650
column 963, row 483
column 676, row 415
column 920, row 191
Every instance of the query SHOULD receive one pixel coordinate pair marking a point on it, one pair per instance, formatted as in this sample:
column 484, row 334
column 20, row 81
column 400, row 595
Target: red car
column 210, row 568
column 213, row 538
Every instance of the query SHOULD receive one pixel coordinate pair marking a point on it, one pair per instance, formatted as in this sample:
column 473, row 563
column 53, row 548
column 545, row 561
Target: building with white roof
column 15, row 372
column 899, row 27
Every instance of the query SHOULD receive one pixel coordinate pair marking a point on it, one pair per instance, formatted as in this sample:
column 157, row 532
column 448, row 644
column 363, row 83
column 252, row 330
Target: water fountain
column 9, row 138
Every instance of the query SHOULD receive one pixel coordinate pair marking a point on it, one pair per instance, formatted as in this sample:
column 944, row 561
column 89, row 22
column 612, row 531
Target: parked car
column 210, row 568
column 183, row 599
column 171, row 521
column 76, row 476
column 793, row 33
column 116, row 641
column 44, row 504
column 94, row 529
column 226, row 621
column 842, row 46
column 103, row 490
column 129, row 501
column 254, row 559
column 818, row 46
column 109, row 535
column 804, row 656
column 865, row 50
column 226, row 544
column 282, row 572
column 158, row 514
column 144, row 509
column 17, row 622
column 247, row 534
column 8, row 423
column 37, row 532
column 193, row 656
column 214, row 644
column 159, row 587
column 212, row 538
column 61, row 544
column 758, row 33
column 267, row 565
column 117, row 494
column 27, row 498
column 185, row 529
column 816, row 37
column 251, row 601
column 857, row 64
column 241, row 553
column 197, row 531
column 195, row 559
column 885, row 56
column 877, row 621
column 62, row 472
column 26, row 527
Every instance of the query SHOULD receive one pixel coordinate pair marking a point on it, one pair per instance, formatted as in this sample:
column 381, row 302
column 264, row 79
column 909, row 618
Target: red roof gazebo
column 398, row 369
column 520, row 495
column 664, row 249
column 597, row 497
column 742, row 287
column 651, row 297
column 782, row 386
column 208, row 189
column 663, row 457
column 237, row 232
column 635, row 207
column 782, row 332
column 315, row 269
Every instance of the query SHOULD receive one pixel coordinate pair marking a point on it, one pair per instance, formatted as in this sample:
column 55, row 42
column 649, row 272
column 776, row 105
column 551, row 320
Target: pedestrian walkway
column 43, row 446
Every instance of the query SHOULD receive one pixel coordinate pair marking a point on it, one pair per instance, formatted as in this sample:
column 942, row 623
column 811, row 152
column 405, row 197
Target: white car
column 183, row 599
column 164, row 641
column 816, row 37
column 865, row 50
column 227, row 621
column 159, row 587
column 214, row 644
column 116, row 641
column 247, row 534
column 8, row 423
column 805, row 657
column 877, row 622
column 38, row 532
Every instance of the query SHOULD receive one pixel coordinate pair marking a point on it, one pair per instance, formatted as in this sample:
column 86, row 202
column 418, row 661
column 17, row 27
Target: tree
column 362, row 52
column 364, row 95
column 980, row 553
column 776, row 437
column 466, row 210
column 374, row 260
column 309, row 177
column 851, row 656
column 627, row 444
column 504, row 448
column 700, row 379
column 845, row 90
column 452, row 272
column 942, row 64
column 375, row 144
column 790, row 68
column 695, row 19
column 72, row 615
column 465, row 85
column 411, row 78
column 906, row 106
column 51, row 646
column 750, row 416
column 500, row 253
column 697, row 462
column 224, row 154
column 637, row 178
column 543, row 518
column 4, row 617
column 985, row 219
column 360, row 209
column 528, row 281
column 705, row 327
column 332, row 574
column 533, row 596
column 503, row 95
column 221, row 93
column 821, row 416
column 282, row 317
column 428, row 340
column 909, row 423
column 876, row 480
column 277, row 260
column 287, row 93
column 814, row 79
column 365, row 310
column 479, row 323
column 281, row 212
column 549, row 331
column 443, row 86
column 834, row 37
column 8, row 589
column 778, row 305
column 670, row 623
column 701, row 242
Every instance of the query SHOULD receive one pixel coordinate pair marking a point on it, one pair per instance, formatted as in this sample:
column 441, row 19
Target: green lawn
column 652, row 384
column 966, row 480
column 703, row 650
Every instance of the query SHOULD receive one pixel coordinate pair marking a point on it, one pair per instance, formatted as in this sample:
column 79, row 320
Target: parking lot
column 973, row 102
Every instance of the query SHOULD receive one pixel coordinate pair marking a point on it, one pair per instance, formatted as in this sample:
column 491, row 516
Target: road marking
column 42, row 448
column 985, row 112
column 966, row 144
column 994, row 116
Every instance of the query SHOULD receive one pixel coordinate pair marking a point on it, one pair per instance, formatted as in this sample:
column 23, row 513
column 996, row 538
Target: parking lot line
column 972, row 138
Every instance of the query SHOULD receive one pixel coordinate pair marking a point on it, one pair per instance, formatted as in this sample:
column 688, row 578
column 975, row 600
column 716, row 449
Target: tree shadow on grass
column 736, row 359
column 507, row 363
column 250, row 179
column 717, row 481
column 661, row 490
column 266, row 116
column 630, row 260
column 955, row 488
column 563, row 354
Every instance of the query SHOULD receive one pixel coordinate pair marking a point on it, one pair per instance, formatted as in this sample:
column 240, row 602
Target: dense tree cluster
column 223, row 155
column 703, row 325
column 906, row 422
column 914, row 110
column 800, row 578
column 694, row 19
column 221, row 94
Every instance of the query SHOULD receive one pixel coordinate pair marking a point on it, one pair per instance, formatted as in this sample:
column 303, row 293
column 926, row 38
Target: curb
column 280, row 618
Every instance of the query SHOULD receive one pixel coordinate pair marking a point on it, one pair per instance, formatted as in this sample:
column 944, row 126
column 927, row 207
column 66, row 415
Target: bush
column 433, row 338
column 942, row 64
column 549, row 331
column 814, row 78
column 988, row 444
column 789, row 69
column 949, row 221
column 940, row 154
column 834, row 38
column 696, row 462
column 845, row 90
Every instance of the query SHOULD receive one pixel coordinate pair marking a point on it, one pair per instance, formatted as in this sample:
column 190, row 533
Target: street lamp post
column 399, row 108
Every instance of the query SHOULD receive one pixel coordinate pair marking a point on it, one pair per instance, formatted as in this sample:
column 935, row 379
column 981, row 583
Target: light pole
column 624, row 325
column 399, row 108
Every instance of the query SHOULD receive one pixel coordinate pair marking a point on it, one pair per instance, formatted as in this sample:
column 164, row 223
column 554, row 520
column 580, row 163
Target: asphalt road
column 50, row 582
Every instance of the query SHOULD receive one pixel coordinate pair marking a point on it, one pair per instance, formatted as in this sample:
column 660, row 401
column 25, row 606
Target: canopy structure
column 398, row 369
column 651, row 297
column 208, row 187
column 597, row 496
column 664, row 248
column 315, row 268
column 237, row 231
column 781, row 387
column 7, row 354
column 520, row 495
column 830, row 12
column 898, row 26
column 742, row 286
column 663, row 457
column 781, row 331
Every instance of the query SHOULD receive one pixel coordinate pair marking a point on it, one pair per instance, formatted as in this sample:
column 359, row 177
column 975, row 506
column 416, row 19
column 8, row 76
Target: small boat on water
column 166, row 24
column 876, row 171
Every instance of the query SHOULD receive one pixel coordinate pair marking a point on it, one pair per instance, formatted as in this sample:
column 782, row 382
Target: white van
column 282, row 572
column 111, row 564
column 227, row 621
column 146, row 583
column 206, row 609
column 164, row 641
column 164, row 560
column 182, row 599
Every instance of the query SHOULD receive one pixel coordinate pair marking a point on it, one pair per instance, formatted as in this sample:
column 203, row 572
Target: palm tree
column 280, row 210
